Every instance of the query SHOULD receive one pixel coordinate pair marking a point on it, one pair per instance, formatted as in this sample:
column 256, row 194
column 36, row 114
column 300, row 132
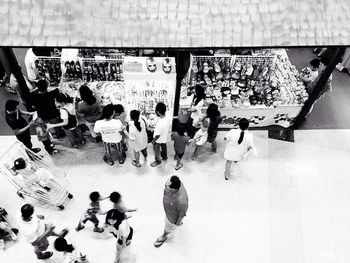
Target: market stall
column 262, row 87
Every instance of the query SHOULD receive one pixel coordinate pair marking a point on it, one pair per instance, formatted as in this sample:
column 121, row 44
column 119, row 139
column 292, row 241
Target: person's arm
column 155, row 138
column 20, row 131
column 60, row 124
column 183, row 209
column 27, row 112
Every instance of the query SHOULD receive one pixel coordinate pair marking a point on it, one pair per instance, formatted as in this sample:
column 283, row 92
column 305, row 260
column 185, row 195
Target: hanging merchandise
column 50, row 69
column 260, row 82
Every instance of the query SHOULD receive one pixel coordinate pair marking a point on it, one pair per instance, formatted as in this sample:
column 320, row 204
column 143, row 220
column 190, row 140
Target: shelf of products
column 49, row 68
column 259, row 82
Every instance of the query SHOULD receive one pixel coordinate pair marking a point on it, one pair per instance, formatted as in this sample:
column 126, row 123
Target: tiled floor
column 289, row 204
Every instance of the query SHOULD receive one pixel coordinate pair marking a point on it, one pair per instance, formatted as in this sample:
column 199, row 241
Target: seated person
column 31, row 174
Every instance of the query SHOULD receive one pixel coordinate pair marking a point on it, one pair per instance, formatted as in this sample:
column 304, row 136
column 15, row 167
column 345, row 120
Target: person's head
column 118, row 110
column 160, row 109
column 87, row 95
column 19, row 164
column 324, row 61
column 95, row 196
column 180, row 130
column 108, row 111
column 42, row 85
column 173, row 184
column 11, row 105
column 135, row 117
column 243, row 125
column 27, row 212
column 205, row 124
column 62, row 99
column 315, row 64
column 114, row 217
column 114, row 197
column 199, row 94
column 213, row 111
column 62, row 245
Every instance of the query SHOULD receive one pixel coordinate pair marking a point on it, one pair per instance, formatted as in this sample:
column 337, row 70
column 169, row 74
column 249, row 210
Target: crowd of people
column 57, row 115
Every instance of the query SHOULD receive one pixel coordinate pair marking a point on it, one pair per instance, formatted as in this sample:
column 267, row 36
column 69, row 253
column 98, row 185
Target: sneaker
column 14, row 230
column 109, row 162
column 80, row 227
column 156, row 163
column 45, row 255
column 98, row 229
column 36, row 150
column 2, row 244
column 64, row 232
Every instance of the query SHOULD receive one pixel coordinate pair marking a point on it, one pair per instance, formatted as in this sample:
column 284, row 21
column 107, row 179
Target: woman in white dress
column 138, row 140
column 239, row 143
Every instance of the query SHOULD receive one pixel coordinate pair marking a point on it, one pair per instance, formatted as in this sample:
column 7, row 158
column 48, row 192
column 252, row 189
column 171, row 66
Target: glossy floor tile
column 290, row 203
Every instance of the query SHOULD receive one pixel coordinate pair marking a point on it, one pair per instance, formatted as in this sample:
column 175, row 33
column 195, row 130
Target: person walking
column 195, row 118
column 175, row 203
column 137, row 136
column 214, row 116
column 180, row 141
column 90, row 109
column 239, row 143
column 18, row 124
column 36, row 231
column 160, row 135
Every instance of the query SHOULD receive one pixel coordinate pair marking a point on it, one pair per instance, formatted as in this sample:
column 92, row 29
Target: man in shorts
column 175, row 203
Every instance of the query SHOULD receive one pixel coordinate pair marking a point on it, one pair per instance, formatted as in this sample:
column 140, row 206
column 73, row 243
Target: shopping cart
column 53, row 192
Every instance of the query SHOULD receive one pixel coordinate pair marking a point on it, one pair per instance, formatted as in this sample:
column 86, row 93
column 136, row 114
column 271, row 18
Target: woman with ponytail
column 71, row 255
column 240, row 142
column 66, row 106
column 138, row 136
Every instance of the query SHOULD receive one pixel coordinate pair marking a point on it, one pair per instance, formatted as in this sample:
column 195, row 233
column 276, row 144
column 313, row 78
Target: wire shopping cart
column 39, row 180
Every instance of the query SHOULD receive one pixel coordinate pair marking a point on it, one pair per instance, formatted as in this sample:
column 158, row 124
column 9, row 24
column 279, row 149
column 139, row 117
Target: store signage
column 132, row 66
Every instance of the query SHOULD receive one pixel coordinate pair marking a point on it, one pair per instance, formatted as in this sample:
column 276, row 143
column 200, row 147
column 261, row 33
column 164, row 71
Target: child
column 160, row 135
column 116, row 199
column 239, row 144
column 120, row 229
column 111, row 131
column 308, row 75
column 200, row 138
column 71, row 255
column 6, row 232
column 90, row 214
column 180, row 141
column 43, row 135
column 120, row 114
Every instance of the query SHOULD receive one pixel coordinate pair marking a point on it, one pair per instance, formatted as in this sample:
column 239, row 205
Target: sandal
column 109, row 162
column 179, row 167
column 134, row 163
column 159, row 242
column 122, row 161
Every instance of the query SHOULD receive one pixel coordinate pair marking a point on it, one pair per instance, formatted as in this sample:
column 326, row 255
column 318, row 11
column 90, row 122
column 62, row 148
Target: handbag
column 149, row 133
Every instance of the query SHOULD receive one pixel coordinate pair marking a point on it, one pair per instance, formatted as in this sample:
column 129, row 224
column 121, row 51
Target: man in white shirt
column 29, row 61
column 111, row 131
column 160, row 135
column 36, row 231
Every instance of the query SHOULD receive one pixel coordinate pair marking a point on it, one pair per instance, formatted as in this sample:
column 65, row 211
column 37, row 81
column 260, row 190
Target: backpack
column 72, row 121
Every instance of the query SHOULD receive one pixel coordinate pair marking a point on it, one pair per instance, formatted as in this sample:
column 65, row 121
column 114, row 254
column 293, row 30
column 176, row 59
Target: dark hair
column 119, row 109
column 200, row 94
column 42, row 85
column 324, row 61
column 135, row 115
column 11, row 105
column 180, row 130
column 161, row 108
column 315, row 63
column 213, row 112
column 62, row 245
column 87, row 95
column 108, row 111
column 27, row 211
column 94, row 196
column 175, row 182
column 114, row 197
column 115, row 215
column 243, row 125
column 63, row 98
column 19, row 164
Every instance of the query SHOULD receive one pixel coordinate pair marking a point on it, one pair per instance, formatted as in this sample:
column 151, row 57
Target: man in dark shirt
column 44, row 103
column 18, row 124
